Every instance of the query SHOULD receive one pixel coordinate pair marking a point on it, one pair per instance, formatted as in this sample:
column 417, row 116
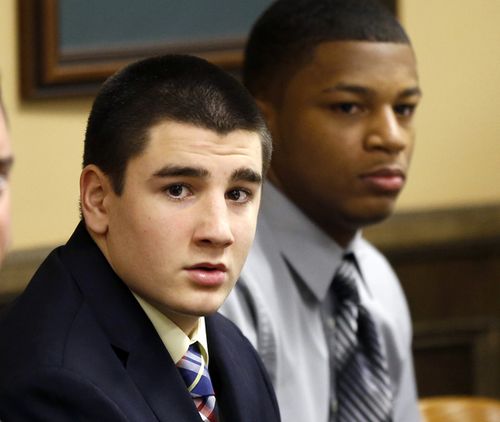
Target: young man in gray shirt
column 337, row 82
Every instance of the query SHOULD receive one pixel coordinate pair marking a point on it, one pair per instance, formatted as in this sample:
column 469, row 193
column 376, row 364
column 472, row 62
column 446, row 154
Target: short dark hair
column 286, row 34
column 179, row 88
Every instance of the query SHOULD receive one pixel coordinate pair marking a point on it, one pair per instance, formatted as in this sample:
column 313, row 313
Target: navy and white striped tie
column 195, row 375
column 362, row 381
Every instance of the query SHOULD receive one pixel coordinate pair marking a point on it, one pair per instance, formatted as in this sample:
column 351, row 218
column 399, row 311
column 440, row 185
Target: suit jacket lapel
column 156, row 376
column 129, row 330
column 230, row 374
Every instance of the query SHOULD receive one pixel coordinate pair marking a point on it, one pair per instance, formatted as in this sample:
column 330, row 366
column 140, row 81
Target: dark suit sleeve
column 54, row 394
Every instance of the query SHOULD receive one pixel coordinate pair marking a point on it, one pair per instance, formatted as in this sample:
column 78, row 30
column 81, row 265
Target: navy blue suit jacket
column 76, row 346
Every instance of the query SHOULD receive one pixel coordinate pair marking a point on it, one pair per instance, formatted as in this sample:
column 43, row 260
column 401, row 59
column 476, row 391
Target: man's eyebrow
column 355, row 89
column 246, row 174
column 410, row 92
column 361, row 90
column 241, row 174
column 185, row 171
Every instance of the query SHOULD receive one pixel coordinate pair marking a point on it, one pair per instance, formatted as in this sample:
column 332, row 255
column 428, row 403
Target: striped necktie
column 197, row 379
column 362, row 380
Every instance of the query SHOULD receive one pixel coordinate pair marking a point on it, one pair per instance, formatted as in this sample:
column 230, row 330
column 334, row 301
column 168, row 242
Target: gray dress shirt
column 281, row 304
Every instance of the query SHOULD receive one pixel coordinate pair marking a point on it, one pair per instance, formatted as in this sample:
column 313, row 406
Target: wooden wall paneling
column 448, row 262
column 459, row 357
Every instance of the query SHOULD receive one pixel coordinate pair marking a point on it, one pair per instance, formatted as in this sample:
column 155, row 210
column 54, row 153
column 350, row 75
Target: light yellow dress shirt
column 174, row 339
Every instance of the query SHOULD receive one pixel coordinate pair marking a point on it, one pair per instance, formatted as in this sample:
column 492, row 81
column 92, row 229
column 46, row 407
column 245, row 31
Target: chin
column 375, row 217
column 208, row 306
column 372, row 214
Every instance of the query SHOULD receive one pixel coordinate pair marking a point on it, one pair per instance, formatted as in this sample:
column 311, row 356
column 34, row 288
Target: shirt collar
column 173, row 338
column 314, row 255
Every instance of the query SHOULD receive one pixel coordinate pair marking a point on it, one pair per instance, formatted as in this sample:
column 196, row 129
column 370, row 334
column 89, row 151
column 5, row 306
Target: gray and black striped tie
column 363, row 386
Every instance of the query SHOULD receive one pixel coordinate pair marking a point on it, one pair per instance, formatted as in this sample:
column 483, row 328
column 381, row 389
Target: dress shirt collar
column 174, row 339
column 312, row 253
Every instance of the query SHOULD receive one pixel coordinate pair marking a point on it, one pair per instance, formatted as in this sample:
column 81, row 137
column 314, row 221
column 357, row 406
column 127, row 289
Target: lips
column 207, row 274
column 385, row 180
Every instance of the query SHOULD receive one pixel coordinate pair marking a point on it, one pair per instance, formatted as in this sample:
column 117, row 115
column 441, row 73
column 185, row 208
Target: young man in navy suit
column 175, row 152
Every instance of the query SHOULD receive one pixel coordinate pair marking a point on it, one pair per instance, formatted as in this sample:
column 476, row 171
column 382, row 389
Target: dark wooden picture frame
column 48, row 71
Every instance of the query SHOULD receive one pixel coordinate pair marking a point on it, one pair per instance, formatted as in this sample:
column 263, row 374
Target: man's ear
column 95, row 189
column 271, row 114
column 268, row 110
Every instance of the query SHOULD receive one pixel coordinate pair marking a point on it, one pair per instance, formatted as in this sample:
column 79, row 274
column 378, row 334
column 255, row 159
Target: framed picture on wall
column 69, row 47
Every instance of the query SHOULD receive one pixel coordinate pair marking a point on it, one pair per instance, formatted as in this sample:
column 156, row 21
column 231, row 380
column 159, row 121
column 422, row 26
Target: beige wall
column 456, row 162
column 47, row 138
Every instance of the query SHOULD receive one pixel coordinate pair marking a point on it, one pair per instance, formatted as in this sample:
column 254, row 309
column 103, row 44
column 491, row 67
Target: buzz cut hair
column 284, row 37
column 177, row 88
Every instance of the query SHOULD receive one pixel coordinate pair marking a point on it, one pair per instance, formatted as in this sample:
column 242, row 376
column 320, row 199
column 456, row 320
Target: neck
column 342, row 234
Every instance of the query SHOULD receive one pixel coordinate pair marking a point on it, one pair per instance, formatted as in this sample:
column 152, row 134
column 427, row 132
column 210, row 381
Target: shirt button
column 334, row 406
column 331, row 323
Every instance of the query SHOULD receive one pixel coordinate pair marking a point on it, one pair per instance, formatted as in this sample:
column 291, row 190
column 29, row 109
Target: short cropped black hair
column 286, row 34
column 178, row 88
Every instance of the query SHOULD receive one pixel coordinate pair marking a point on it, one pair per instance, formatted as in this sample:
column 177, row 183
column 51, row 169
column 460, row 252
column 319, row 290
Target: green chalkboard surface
column 119, row 24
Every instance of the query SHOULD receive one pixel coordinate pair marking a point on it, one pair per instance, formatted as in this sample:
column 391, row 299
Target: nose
column 386, row 133
column 214, row 224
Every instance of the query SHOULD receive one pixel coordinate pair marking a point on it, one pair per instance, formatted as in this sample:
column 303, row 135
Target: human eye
column 346, row 107
column 239, row 195
column 405, row 110
column 178, row 191
column 5, row 167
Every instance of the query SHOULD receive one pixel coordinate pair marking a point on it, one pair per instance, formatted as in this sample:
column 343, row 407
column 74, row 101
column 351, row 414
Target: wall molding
column 435, row 229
